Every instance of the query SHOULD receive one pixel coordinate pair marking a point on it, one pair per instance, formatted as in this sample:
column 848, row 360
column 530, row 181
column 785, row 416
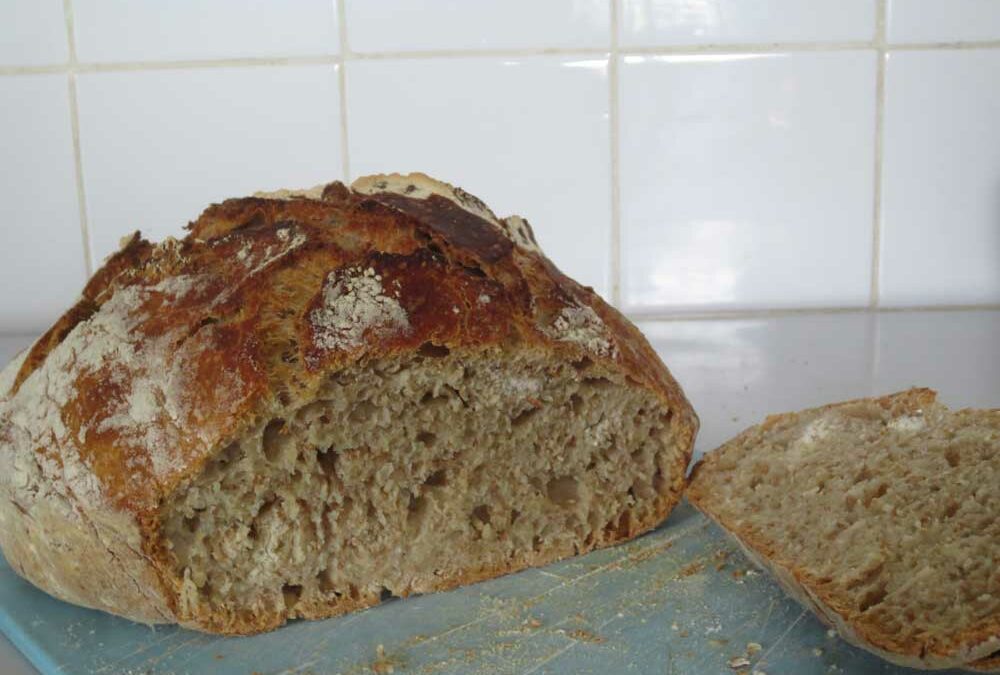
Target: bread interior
column 405, row 475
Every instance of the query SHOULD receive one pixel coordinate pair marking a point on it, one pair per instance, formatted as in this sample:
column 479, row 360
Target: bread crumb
column 908, row 424
column 738, row 662
column 382, row 665
column 817, row 651
column 753, row 648
column 831, row 633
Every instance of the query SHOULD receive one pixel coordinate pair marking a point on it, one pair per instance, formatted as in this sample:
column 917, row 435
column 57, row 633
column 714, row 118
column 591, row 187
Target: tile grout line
column 693, row 315
column 345, row 155
column 74, row 119
column 318, row 59
column 614, row 123
column 881, row 56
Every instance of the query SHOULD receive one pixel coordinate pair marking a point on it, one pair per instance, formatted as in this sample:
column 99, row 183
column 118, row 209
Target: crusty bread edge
column 978, row 657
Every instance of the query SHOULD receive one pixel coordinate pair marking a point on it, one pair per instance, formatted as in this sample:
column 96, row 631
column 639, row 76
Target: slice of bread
column 881, row 515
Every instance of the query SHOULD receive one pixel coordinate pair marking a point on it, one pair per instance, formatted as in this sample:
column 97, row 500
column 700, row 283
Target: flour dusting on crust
column 355, row 304
column 107, row 347
column 581, row 326
column 315, row 192
column 289, row 239
column 420, row 186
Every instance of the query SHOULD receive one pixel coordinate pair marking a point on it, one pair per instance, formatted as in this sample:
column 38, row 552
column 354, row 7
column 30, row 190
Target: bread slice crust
column 971, row 648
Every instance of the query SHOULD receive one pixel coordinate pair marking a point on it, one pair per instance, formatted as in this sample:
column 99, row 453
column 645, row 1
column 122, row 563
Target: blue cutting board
column 678, row 600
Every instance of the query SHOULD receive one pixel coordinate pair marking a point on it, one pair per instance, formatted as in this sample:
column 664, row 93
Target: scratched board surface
column 681, row 599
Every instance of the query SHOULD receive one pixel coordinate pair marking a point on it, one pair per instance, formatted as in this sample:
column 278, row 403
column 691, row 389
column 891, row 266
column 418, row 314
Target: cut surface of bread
column 320, row 399
column 882, row 515
column 407, row 475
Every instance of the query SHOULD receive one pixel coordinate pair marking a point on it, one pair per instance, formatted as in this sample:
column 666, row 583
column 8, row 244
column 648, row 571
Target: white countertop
column 736, row 371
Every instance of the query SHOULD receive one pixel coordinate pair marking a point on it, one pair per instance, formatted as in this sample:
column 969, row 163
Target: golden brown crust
column 218, row 329
column 824, row 599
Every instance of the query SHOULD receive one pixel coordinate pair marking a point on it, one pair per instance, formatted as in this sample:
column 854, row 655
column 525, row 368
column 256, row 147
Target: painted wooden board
column 681, row 599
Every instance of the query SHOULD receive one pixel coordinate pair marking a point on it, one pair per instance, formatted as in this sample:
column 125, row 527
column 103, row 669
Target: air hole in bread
column 192, row 522
column 437, row 479
column 951, row 455
column 523, row 417
column 291, row 594
column 481, row 514
column 323, row 582
column 564, row 491
column 431, row 350
column 872, row 597
column 275, row 440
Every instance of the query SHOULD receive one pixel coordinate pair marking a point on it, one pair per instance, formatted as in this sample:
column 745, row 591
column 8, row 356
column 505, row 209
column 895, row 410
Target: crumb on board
column 692, row 568
column 585, row 636
column 383, row 665
column 738, row 662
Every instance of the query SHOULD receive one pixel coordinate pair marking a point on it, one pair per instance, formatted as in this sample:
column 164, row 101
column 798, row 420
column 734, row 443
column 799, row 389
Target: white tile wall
column 699, row 22
column 527, row 135
column 32, row 33
column 404, row 25
column 41, row 254
column 120, row 30
column 681, row 156
column 943, row 20
column 941, row 178
column 741, row 177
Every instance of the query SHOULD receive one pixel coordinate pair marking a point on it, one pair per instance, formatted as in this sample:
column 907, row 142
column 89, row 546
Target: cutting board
column 681, row 599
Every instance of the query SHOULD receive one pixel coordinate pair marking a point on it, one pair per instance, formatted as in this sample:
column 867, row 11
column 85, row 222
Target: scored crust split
column 880, row 515
column 317, row 400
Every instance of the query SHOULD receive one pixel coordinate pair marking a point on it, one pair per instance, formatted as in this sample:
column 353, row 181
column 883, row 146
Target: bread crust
column 969, row 651
column 217, row 326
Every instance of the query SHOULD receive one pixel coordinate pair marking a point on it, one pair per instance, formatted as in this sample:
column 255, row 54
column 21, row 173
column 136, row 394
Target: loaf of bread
column 881, row 515
column 318, row 400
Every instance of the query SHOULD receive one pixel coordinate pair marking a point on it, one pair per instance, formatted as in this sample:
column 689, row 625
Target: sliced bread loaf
column 318, row 400
column 882, row 515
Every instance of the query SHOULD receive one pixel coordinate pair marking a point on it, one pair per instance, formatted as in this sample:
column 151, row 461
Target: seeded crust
column 177, row 352
column 787, row 452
